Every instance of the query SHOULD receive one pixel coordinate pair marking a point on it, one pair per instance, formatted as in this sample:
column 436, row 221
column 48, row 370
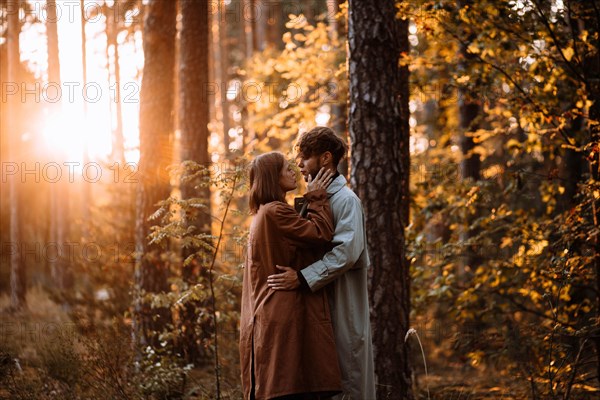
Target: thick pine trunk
column 379, row 132
column 156, row 126
column 193, row 123
column 18, row 280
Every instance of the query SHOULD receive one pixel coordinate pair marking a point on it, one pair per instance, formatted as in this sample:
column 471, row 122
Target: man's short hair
column 319, row 140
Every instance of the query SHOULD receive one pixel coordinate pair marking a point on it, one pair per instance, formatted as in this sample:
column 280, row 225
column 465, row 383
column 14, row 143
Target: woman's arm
column 302, row 232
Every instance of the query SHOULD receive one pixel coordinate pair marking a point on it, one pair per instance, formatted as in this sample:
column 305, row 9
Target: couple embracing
column 304, row 325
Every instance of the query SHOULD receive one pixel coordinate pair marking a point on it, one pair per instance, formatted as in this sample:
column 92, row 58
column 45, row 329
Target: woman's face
column 287, row 177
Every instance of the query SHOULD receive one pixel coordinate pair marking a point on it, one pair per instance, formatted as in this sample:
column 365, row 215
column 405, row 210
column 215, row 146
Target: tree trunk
column 193, row 124
column 258, row 19
column 274, row 25
column 338, row 109
column 156, row 126
column 85, row 186
column 59, row 191
column 249, row 39
column 246, row 27
column 379, row 132
column 469, row 110
column 112, row 30
column 18, row 281
column 222, row 74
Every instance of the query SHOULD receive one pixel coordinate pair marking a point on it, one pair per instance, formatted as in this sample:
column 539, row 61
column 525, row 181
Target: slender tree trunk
column 193, row 124
column 112, row 30
column 156, row 126
column 222, row 74
column 469, row 110
column 379, row 133
column 85, row 186
column 59, row 192
column 248, row 18
column 274, row 25
column 18, row 279
column 246, row 24
column 338, row 109
column 259, row 22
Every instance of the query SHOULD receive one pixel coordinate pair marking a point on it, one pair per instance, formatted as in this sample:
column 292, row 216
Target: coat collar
column 337, row 185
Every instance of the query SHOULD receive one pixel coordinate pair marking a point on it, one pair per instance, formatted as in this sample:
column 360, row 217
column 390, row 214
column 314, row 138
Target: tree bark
column 156, row 126
column 193, row 124
column 59, row 191
column 379, row 132
column 258, row 20
column 223, row 74
column 469, row 110
column 274, row 25
column 18, row 278
column 112, row 30
column 85, row 186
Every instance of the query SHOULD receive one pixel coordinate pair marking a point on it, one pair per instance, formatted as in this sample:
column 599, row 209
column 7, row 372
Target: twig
column 572, row 379
column 212, row 289
column 413, row 331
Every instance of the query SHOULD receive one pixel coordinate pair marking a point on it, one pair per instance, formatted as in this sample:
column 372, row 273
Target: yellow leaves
column 580, row 104
column 519, row 257
column 296, row 21
column 463, row 79
column 536, row 247
column 533, row 295
column 488, row 51
column 513, row 144
column 506, row 242
column 549, row 87
column 584, row 35
column 473, row 48
column 568, row 53
column 299, row 37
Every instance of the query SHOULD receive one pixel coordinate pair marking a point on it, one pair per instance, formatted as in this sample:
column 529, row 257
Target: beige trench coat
column 286, row 337
column 344, row 271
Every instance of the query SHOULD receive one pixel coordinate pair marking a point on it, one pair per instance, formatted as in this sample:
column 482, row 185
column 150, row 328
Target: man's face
column 309, row 165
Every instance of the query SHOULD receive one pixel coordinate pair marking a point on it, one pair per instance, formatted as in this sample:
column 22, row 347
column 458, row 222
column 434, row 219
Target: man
column 343, row 270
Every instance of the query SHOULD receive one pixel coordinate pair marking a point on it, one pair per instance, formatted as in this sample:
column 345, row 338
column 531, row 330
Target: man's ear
column 326, row 159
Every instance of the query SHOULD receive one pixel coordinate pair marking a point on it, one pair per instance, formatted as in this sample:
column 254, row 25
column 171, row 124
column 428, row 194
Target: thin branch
column 511, row 80
column 557, row 43
column 212, row 289
column 574, row 374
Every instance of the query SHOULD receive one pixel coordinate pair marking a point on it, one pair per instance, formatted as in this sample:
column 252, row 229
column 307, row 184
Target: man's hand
column 287, row 280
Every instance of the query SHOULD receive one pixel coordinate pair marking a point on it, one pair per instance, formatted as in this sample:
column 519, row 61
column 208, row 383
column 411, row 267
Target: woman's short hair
column 319, row 140
column 264, row 172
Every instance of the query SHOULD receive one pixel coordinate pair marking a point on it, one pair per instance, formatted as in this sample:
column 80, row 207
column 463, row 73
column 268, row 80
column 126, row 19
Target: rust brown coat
column 287, row 335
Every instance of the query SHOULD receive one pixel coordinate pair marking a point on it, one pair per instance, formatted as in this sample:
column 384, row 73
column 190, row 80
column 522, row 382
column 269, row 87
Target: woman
column 287, row 350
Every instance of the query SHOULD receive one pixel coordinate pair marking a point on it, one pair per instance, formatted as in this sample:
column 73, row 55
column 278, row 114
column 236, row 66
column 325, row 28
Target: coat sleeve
column 348, row 242
column 304, row 232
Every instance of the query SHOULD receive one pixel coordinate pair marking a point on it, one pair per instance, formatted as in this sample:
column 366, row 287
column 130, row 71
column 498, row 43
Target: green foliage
column 214, row 302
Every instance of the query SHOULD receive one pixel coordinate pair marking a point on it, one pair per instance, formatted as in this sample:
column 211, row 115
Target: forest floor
column 30, row 336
